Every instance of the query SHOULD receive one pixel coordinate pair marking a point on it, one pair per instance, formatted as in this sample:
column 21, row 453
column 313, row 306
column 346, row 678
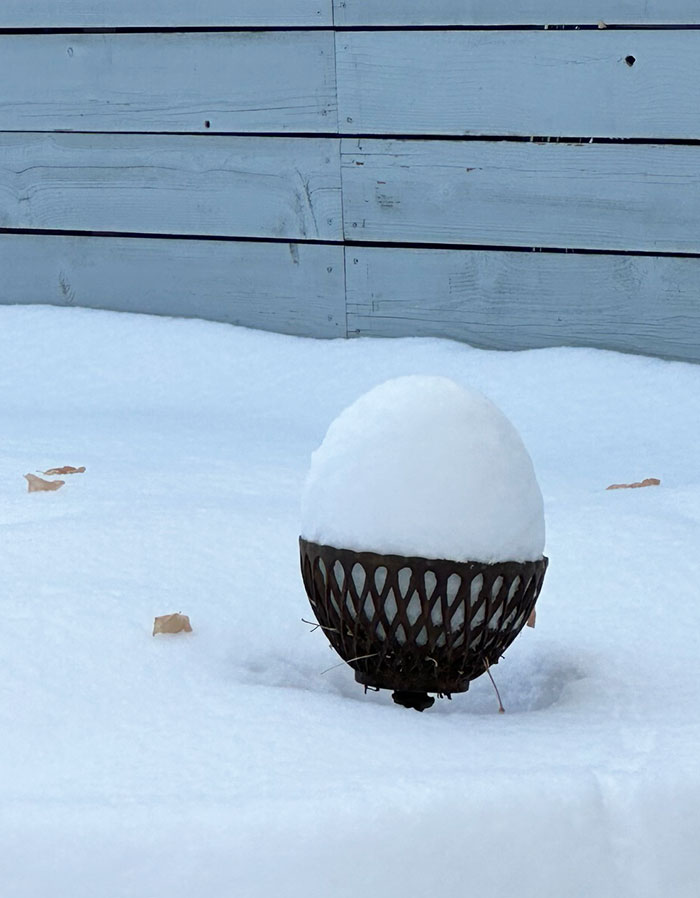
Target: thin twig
column 316, row 626
column 359, row 658
column 501, row 709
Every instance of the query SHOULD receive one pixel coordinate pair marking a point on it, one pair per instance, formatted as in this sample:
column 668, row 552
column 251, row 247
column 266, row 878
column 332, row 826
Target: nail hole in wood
column 630, row 60
column 207, row 124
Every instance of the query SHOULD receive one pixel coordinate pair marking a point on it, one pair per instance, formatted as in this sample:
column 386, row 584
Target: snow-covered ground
column 223, row 763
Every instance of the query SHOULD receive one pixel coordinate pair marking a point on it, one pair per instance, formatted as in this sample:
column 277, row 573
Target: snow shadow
column 530, row 684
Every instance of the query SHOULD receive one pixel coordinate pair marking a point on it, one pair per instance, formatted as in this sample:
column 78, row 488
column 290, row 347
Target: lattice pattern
column 418, row 624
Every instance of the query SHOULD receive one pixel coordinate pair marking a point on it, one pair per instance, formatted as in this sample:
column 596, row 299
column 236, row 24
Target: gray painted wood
column 172, row 184
column 590, row 196
column 162, row 13
column 289, row 288
column 514, row 300
column 515, row 12
column 554, row 83
column 260, row 81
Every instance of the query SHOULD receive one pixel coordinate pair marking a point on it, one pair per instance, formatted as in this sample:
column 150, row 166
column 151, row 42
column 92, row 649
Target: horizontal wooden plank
column 514, row 300
column 523, row 83
column 172, row 184
column 515, row 12
column 288, row 288
column 587, row 196
column 259, row 13
column 163, row 13
column 237, row 81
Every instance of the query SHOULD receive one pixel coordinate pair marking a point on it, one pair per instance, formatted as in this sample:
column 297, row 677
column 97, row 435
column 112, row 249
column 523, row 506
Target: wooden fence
column 513, row 173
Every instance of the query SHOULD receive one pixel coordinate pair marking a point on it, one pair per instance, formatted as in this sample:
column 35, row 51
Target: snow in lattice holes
column 422, row 537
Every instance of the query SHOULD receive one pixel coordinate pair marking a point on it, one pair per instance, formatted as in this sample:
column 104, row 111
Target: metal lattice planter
column 416, row 625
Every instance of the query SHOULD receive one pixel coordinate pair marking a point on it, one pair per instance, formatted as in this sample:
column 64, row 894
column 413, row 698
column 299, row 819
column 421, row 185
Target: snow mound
column 421, row 466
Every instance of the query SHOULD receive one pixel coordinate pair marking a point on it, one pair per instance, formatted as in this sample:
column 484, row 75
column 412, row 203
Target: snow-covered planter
column 422, row 537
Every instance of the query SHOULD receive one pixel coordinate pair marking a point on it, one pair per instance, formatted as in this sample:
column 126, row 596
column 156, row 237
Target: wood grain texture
column 515, row 12
column 522, row 83
column 288, row 288
column 587, row 196
column 517, row 300
column 247, row 82
column 172, row 184
column 163, row 13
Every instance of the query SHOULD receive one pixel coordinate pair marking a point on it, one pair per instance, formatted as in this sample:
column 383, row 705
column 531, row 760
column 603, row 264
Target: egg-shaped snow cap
column 421, row 466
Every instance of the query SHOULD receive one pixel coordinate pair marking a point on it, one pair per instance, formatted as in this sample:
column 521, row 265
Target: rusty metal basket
column 417, row 625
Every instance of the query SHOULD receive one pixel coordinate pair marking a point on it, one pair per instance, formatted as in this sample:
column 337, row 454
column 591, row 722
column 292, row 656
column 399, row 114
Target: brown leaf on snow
column 533, row 617
column 66, row 469
column 37, row 485
column 172, row 623
column 650, row 481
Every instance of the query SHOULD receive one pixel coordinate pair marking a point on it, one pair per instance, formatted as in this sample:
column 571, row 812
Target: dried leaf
column 172, row 623
column 67, row 469
column 37, row 485
column 532, row 619
column 650, row 481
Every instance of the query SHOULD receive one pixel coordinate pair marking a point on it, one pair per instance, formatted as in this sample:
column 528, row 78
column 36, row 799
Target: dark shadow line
column 359, row 136
column 257, row 29
column 364, row 244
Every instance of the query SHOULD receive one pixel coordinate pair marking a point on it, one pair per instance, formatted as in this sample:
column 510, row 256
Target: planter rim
column 390, row 557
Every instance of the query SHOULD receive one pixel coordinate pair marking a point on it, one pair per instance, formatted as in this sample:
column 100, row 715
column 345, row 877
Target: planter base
column 397, row 681
column 418, row 701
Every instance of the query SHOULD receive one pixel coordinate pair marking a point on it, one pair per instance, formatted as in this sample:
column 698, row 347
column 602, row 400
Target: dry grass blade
column 38, row 485
column 317, row 626
column 501, row 709
column 172, row 623
column 349, row 662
